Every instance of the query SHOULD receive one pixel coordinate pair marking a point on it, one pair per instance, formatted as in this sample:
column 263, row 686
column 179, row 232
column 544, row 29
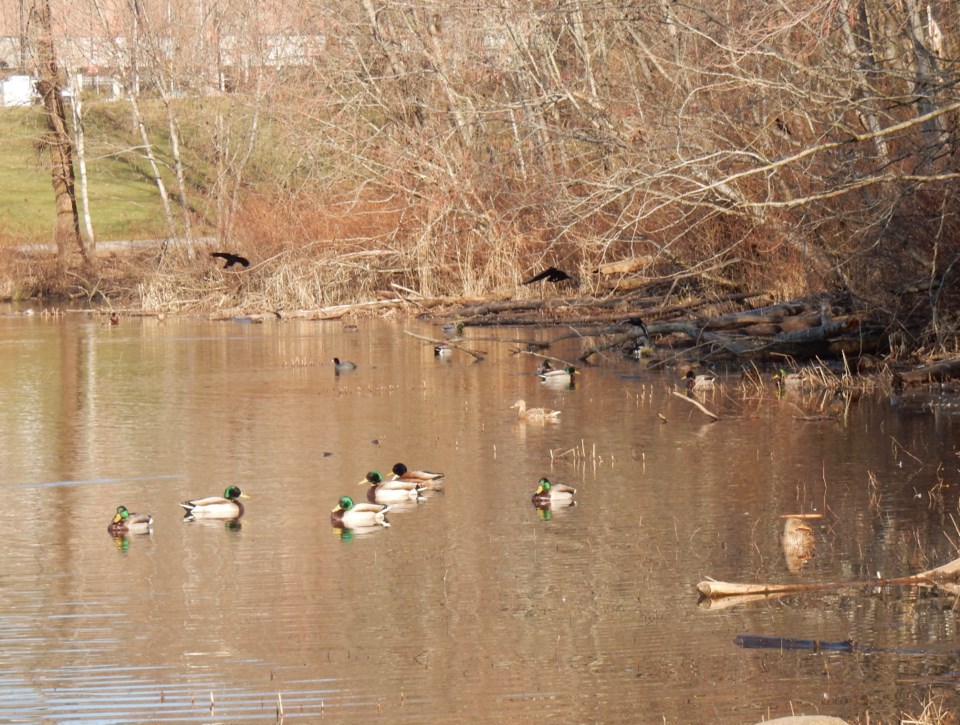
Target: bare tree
column 50, row 88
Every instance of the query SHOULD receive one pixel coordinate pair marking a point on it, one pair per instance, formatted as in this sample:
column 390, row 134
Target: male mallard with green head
column 548, row 492
column 125, row 522
column 563, row 376
column 452, row 328
column 391, row 490
column 402, row 473
column 227, row 506
column 698, row 382
column 350, row 515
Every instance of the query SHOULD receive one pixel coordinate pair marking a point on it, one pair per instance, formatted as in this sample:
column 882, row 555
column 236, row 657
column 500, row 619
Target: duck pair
column 227, row 506
column 402, row 485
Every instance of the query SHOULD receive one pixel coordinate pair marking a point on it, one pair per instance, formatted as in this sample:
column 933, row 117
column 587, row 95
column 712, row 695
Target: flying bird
column 552, row 274
column 231, row 259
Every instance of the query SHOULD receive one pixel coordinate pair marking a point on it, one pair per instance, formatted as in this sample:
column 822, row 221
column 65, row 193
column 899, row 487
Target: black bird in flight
column 552, row 274
column 231, row 259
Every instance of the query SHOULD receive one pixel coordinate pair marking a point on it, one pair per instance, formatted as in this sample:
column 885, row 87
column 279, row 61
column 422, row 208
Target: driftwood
column 941, row 577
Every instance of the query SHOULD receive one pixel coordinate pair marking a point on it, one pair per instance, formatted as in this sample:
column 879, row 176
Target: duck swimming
column 227, row 506
column 402, row 473
column 350, row 515
column 342, row 366
column 547, row 493
column 391, row 490
column 125, row 522
column 525, row 413
column 699, row 382
column 563, row 376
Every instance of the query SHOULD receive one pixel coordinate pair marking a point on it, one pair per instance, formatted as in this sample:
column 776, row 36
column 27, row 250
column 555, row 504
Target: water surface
column 473, row 605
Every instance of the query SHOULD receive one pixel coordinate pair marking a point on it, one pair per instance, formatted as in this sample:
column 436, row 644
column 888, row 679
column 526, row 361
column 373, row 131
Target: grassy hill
column 124, row 203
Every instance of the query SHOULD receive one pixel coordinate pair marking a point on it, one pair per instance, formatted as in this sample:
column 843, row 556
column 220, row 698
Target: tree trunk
column 67, row 230
column 82, row 164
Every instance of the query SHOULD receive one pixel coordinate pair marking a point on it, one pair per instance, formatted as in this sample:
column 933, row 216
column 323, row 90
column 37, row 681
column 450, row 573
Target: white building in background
column 18, row 90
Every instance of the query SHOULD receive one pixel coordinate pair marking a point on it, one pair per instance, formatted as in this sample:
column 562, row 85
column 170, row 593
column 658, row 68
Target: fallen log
column 938, row 372
column 942, row 576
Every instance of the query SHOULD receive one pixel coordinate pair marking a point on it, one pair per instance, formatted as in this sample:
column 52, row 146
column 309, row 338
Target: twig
column 696, row 404
column 476, row 354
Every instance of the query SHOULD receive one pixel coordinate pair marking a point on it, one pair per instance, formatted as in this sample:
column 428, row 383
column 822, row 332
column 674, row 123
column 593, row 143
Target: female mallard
column 125, row 522
column 352, row 515
column 698, row 382
column 343, row 366
column 402, row 473
column 390, row 491
column 525, row 413
column 216, row 507
column 552, row 493
column 563, row 376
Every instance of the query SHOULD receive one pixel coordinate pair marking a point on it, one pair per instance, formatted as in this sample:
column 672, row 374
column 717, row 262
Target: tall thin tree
column 50, row 88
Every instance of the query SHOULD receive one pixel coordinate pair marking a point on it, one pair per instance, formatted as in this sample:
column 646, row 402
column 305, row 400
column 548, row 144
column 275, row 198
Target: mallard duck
column 560, row 377
column 637, row 346
column 125, row 522
column 391, row 490
column 350, row 515
column 452, row 328
column 114, row 319
column 544, row 367
column 227, row 506
column 342, row 366
column 789, row 380
column 552, row 492
column 402, row 473
column 525, row 413
column 443, row 350
column 698, row 382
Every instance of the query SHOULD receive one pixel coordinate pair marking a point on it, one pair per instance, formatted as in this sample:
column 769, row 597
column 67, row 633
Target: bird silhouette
column 552, row 274
column 231, row 259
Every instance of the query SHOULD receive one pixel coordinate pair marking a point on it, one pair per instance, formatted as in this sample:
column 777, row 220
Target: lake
column 473, row 605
